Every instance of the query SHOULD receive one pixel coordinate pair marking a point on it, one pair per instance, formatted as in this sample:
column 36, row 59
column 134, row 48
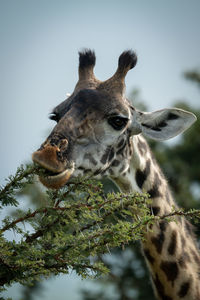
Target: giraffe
column 99, row 131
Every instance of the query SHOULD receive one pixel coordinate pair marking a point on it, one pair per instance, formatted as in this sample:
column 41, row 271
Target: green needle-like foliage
column 79, row 224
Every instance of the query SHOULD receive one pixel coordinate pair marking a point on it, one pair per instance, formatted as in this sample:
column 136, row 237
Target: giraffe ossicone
column 99, row 132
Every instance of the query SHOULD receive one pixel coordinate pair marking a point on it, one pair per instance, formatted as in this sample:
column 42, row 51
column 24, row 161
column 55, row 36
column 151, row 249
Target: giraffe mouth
column 56, row 180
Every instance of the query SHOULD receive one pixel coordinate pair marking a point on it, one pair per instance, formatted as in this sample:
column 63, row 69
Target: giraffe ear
column 164, row 124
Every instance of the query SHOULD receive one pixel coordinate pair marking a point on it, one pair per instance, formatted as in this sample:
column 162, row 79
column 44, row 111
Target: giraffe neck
column 169, row 248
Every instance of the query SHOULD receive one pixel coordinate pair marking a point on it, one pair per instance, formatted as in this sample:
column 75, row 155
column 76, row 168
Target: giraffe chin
column 58, row 180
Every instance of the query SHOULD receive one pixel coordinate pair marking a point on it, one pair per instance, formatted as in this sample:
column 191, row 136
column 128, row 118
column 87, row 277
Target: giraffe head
column 95, row 123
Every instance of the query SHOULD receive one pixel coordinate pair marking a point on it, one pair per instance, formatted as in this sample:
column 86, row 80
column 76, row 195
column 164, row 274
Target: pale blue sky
column 38, row 60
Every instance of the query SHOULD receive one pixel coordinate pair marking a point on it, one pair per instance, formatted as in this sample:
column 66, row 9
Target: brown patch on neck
column 170, row 269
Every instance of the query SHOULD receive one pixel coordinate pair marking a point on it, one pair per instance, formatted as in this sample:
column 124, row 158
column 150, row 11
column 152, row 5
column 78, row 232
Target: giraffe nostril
column 62, row 145
column 59, row 155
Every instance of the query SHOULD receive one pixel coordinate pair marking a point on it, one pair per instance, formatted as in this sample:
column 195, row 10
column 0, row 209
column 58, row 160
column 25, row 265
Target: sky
column 40, row 41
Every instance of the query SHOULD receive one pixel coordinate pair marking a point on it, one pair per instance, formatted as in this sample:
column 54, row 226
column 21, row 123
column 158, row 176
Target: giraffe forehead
column 87, row 102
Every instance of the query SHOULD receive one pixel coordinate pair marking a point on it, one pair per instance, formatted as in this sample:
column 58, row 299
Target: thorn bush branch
column 78, row 223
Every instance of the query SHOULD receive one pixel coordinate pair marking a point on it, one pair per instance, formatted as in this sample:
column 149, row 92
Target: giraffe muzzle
column 56, row 171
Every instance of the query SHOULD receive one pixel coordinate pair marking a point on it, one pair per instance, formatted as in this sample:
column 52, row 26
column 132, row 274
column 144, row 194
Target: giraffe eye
column 117, row 122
